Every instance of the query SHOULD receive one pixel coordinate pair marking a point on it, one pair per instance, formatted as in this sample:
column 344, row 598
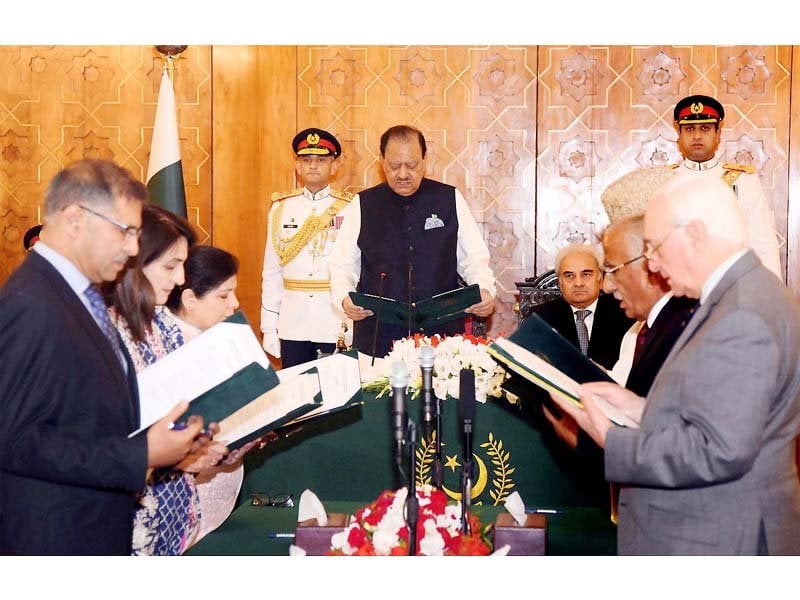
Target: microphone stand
column 412, row 504
column 410, row 305
column 377, row 317
column 398, row 380
column 438, row 472
column 466, row 491
column 430, row 428
column 467, row 406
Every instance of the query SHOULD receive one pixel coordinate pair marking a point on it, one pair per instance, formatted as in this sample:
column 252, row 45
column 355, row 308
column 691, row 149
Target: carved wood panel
column 605, row 111
column 59, row 104
column 476, row 107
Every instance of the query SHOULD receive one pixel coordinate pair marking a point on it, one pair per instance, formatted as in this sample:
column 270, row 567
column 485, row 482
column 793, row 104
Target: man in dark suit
column 592, row 321
column 68, row 472
column 710, row 469
column 644, row 296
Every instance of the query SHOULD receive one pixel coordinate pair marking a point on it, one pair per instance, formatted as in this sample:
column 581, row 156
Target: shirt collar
column 716, row 275
column 656, row 310
column 320, row 195
column 592, row 307
column 700, row 166
column 66, row 268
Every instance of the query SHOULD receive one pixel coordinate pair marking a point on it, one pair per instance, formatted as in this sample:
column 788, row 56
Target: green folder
column 537, row 337
column 441, row 308
column 245, row 386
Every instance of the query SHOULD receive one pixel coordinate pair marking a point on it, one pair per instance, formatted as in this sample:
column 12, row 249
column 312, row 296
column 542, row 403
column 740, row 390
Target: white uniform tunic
column 292, row 299
column 757, row 212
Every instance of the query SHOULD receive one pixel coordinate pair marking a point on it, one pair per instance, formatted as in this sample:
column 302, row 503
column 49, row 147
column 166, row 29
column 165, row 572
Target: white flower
column 453, row 353
column 432, row 543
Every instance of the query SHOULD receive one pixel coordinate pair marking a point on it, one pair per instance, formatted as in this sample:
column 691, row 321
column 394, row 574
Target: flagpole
column 169, row 53
column 164, row 170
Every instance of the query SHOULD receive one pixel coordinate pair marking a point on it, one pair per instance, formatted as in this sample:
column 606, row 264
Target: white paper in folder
column 209, row 359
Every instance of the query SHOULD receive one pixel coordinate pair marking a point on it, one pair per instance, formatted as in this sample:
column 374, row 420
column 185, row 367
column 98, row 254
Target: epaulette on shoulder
column 742, row 168
column 342, row 195
column 276, row 196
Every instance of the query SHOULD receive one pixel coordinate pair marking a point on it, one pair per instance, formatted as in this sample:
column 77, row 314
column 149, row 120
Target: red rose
column 356, row 537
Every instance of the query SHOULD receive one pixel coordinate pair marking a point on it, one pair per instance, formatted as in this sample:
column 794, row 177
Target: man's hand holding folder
column 591, row 417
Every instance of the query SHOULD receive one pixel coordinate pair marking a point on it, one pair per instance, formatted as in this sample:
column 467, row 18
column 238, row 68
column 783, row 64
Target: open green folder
column 254, row 402
column 426, row 313
column 540, row 355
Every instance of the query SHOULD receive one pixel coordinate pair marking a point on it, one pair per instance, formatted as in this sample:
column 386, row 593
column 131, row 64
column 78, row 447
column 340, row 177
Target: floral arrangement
column 453, row 353
column 379, row 528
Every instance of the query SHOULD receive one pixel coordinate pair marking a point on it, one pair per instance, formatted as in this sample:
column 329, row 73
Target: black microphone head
column 466, row 394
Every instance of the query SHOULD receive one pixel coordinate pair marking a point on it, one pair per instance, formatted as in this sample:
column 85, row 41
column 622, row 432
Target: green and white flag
column 164, row 173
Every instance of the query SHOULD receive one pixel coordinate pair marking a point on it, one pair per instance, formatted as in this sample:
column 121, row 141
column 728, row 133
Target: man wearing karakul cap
column 297, row 318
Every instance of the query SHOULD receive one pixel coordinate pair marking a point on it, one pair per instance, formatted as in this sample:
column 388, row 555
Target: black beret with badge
column 317, row 142
column 698, row 109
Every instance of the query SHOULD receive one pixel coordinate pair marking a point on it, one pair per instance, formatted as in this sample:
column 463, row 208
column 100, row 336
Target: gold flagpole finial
column 170, row 52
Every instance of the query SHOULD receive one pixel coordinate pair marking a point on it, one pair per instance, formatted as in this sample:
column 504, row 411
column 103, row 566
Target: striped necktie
column 100, row 312
column 583, row 331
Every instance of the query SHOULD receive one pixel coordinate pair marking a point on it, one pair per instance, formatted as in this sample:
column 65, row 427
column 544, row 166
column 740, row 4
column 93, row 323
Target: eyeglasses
column 129, row 230
column 278, row 500
column 650, row 250
column 609, row 271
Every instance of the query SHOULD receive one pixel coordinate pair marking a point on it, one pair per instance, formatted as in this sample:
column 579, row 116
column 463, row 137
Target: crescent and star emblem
column 697, row 108
column 480, row 483
column 313, row 139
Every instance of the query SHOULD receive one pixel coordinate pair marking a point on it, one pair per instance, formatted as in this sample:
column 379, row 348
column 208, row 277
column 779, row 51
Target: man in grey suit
column 711, row 468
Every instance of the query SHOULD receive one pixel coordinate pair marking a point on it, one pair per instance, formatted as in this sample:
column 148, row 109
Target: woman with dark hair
column 168, row 516
column 206, row 297
column 208, row 294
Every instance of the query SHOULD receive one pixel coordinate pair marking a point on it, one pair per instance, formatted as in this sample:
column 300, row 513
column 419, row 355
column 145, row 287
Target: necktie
column 583, row 331
column 100, row 312
column 641, row 338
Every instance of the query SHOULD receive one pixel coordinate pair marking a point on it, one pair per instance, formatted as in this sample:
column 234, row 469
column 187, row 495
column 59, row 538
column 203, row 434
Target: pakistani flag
column 164, row 174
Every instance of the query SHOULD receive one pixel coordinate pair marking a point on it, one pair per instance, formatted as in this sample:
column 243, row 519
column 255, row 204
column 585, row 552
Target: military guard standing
column 698, row 121
column 297, row 318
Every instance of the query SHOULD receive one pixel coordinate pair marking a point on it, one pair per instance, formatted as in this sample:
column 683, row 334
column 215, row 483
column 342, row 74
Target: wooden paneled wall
column 531, row 135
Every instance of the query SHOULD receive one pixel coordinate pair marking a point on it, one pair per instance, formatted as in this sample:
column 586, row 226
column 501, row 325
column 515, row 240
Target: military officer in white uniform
column 698, row 121
column 298, row 319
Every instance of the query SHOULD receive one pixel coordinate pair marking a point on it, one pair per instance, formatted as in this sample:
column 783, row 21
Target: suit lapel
column 739, row 268
column 80, row 316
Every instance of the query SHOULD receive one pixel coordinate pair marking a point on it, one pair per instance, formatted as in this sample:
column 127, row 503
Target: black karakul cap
column 317, row 142
column 698, row 109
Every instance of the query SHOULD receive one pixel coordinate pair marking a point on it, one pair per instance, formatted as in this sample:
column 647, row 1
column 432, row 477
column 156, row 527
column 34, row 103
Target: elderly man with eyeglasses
column 591, row 321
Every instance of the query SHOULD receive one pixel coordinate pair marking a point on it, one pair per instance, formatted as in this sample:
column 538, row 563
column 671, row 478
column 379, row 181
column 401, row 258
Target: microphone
column 466, row 408
column 427, row 356
column 399, row 379
column 377, row 317
column 410, row 305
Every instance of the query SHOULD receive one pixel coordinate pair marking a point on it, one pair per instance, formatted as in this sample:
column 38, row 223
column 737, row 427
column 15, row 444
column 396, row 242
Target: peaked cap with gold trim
column 698, row 109
column 630, row 194
column 317, row 142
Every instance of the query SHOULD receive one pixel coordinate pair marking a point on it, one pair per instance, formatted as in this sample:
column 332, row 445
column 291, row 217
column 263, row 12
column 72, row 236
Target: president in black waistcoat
column 409, row 238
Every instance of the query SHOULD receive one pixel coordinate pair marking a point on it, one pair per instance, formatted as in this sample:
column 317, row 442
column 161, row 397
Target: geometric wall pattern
column 530, row 134
column 59, row 104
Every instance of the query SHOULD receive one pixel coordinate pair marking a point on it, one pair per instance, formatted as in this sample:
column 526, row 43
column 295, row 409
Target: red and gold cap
column 317, row 142
column 31, row 237
column 698, row 109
